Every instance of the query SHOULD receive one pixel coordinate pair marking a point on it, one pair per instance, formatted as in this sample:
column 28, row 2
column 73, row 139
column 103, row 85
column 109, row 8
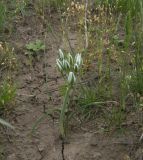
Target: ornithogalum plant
column 69, row 67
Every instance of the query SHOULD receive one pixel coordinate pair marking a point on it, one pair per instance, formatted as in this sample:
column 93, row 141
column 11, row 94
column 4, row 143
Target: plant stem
column 63, row 111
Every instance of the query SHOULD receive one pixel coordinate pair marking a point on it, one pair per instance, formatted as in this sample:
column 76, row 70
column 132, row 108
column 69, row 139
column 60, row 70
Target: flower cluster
column 69, row 65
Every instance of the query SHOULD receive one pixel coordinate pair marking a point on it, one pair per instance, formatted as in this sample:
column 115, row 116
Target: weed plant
column 7, row 88
column 2, row 16
column 8, row 58
column 35, row 47
column 7, row 94
column 57, row 5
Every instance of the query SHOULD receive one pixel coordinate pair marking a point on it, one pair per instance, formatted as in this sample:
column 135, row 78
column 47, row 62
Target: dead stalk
column 85, row 25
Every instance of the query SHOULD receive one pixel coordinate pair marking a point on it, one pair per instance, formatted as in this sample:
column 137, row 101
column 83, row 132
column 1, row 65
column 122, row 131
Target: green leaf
column 35, row 46
column 3, row 122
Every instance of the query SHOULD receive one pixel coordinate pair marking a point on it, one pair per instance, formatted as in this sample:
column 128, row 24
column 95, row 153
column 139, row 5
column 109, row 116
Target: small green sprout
column 71, row 78
column 7, row 94
column 36, row 46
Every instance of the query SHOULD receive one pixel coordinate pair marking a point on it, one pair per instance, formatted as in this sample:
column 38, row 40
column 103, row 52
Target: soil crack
column 62, row 150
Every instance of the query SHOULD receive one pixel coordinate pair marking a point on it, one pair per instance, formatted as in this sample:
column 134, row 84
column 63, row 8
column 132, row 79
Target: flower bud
column 76, row 67
column 66, row 65
column 59, row 64
column 61, row 54
column 71, row 78
column 70, row 59
column 78, row 59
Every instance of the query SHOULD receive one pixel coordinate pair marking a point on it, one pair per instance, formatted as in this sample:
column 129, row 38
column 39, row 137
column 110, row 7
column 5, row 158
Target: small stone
column 126, row 157
column 12, row 157
column 41, row 147
column 97, row 155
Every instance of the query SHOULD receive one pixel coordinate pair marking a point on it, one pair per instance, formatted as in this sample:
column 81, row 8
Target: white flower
column 61, row 54
column 59, row 64
column 66, row 64
column 76, row 67
column 69, row 66
column 70, row 59
column 71, row 78
column 78, row 59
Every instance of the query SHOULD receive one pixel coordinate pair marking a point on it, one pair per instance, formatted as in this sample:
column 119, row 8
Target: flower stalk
column 69, row 67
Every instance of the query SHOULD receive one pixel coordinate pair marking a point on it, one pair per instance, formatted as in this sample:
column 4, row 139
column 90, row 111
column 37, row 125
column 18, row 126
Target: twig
column 65, row 30
column 85, row 24
column 141, row 138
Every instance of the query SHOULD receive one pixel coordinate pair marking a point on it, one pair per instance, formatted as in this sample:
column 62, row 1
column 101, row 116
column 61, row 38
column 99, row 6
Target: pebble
column 97, row 155
column 12, row 157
